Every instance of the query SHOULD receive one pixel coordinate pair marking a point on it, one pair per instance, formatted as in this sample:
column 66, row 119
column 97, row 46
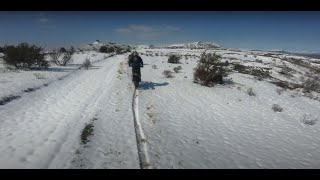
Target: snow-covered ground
column 42, row 129
column 191, row 126
column 14, row 82
column 171, row 123
column 196, row 45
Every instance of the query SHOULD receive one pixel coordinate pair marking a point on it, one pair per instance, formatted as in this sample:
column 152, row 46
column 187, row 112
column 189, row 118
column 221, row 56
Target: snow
column 15, row 82
column 141, row 140
column 199, row 45
column 204, row 44
column 190, row 126
column 96, row 42
column 93, row 46
column 142, row 47
column 176, row 45
column 41, row 130
column 167, row 123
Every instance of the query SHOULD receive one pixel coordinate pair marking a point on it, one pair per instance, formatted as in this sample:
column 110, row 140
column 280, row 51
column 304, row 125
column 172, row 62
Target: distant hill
column 306, row 54
column 195, row 45
column 96, row 45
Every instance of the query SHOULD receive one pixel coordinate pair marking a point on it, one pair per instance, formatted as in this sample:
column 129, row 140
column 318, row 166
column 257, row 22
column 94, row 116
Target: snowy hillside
column 96, row 45
column 142, row 47
column 195, row 45
column 16, row 82
column 191, row 126
column 264, row 116
column 92, row 46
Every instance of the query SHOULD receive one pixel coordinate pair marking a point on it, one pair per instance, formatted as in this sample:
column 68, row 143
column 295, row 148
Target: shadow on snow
column 145, row 85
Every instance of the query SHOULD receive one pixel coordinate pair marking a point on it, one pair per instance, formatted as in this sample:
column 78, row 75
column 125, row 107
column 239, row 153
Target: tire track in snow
column 51, row 140
column 141, row 140
column 7, row 99
column 89, row 110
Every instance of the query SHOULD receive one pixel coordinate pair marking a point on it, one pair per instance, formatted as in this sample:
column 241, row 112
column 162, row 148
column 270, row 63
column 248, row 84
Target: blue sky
column 296, row 31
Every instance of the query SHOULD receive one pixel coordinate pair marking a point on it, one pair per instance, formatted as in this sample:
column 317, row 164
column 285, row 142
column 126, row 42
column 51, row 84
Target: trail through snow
column 42, row 129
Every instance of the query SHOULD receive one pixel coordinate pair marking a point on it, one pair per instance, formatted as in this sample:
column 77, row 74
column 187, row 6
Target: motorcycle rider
column 135, row 61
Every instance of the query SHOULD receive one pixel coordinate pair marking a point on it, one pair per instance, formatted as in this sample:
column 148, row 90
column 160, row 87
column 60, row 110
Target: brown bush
column 250, row 92
column 277, row 108
column 312, row 84
column 25, row 56
column 174, row 59
column 168, row 74
column 177, row 69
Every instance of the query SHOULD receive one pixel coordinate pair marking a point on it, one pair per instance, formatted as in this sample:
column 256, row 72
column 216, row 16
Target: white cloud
column 147, row 32
column 43, row 20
